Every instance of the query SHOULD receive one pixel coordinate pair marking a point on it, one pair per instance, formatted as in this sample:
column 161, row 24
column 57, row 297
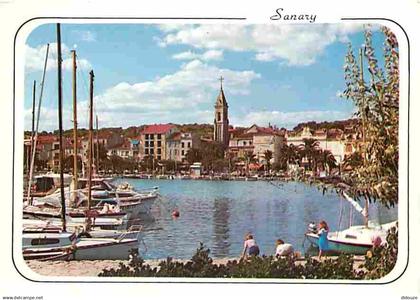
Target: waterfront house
column 153, row 139
column 179, row 143
column 340, row 142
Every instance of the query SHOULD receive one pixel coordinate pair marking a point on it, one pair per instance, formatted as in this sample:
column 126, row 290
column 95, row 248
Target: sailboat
column 57, row 243
column 356, row 239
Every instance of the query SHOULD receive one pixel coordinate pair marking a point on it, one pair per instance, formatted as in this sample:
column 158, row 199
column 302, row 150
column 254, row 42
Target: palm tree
column 268, row 155
column 328, row 161
column 310, row 150
column 249, row 157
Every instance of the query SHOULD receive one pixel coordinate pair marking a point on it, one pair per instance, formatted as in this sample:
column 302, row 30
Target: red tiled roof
column 46, row 139
column 264, row 130
column 244, row 136
column 157, row 128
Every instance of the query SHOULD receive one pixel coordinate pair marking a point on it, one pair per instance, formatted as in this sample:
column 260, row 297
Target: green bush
column 378, row 263
column 381, row 260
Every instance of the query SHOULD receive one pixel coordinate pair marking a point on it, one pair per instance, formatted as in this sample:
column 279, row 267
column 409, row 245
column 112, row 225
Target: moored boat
column 355, row 239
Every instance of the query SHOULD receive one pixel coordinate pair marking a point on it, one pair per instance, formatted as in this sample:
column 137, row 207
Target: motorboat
column 61, row 245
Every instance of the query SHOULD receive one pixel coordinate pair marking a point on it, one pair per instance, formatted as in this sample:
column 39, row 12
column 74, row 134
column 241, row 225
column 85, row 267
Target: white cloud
column 183, row 96
column 289, row 119
column 85, row 35
column 35, row 58
column 294, row 44
column 206, row 56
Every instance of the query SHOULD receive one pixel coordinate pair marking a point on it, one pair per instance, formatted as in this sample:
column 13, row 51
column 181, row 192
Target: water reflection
column 221, row 214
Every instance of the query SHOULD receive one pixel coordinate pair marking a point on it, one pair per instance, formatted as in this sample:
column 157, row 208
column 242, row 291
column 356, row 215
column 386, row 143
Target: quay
column 93, row 267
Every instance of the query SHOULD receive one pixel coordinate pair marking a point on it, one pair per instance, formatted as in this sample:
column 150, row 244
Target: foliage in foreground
column 381, row 260
column 377, row 103
column 201, row 264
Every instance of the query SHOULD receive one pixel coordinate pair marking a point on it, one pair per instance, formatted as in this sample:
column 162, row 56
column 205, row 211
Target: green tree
column 146, row 163
column 377, row 104
column 327, row 160
column 193, row 155
column 268, row 155
column 249, row 157
column 69, row 163
column 309, row 150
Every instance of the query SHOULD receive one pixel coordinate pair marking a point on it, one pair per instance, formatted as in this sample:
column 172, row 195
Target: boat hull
column 111, row 250
column 336, row 246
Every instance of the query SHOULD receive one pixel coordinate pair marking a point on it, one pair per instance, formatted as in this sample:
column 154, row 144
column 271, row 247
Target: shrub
column 379, row 262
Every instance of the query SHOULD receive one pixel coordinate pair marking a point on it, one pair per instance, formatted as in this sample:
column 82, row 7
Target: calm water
column 220, row 213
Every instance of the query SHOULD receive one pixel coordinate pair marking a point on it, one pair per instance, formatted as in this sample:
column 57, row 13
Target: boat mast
column 28, row 155
column 97, row 147
column 362, row 81
column 35, row 139
column 91, row 76
column 60, row 126
column 75, row 143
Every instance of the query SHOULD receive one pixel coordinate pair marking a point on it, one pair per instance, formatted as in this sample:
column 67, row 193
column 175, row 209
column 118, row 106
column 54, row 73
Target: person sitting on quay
column 250, row 247
column 283, row 249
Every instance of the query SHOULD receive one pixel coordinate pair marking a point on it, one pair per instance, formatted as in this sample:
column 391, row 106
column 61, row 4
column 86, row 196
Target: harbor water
column 220, row 213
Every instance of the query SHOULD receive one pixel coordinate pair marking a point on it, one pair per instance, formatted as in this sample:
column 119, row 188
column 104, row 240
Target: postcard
column 237, row 151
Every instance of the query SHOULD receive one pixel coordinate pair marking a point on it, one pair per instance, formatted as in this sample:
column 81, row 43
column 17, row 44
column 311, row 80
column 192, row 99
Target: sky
column 169, row 73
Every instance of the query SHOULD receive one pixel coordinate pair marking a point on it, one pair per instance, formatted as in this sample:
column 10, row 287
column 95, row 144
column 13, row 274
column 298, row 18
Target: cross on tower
column 221, row 81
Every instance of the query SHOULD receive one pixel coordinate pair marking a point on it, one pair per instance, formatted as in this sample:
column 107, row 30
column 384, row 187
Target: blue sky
column 147, row 73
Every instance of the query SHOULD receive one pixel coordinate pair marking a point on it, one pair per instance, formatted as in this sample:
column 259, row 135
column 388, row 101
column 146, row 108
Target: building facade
column 179, row 143
column 153, row 139
column 340, row 143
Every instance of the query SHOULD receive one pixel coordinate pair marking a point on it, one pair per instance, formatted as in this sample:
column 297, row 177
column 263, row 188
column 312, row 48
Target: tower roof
column 221, row 99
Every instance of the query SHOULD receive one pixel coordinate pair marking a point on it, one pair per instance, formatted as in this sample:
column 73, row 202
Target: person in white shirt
column 250, row 246
column 283, row 249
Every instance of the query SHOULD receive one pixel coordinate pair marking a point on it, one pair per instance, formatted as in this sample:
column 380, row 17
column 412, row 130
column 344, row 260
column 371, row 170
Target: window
column 159, row 151
column 56, row 146
column 147, row 144
column 159, row 144
column 147, row 136
column 182, row 145
column 219, row 116
column 189, row 144
column 182, row 152
column 152, row 151
column 159, row 136
column 37, row 242
column 152, row 144
column 152, row 136
column 159, row 157
column 146, row 151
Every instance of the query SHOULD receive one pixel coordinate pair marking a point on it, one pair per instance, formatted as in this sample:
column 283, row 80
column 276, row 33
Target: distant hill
column 327, row 125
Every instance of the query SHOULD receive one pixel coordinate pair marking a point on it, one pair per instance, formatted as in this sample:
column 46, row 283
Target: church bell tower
column 221, row 121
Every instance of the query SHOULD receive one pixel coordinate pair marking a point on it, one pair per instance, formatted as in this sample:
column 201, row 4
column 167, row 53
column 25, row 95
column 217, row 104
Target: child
column 283, row 249
column 251, row 246
column 323, row 238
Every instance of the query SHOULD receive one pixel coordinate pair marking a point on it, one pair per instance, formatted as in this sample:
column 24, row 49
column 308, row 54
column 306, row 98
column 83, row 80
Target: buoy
column 175, row 213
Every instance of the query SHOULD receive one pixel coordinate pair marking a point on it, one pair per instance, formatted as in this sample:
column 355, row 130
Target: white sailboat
column 57, row 243
column 356, row 239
